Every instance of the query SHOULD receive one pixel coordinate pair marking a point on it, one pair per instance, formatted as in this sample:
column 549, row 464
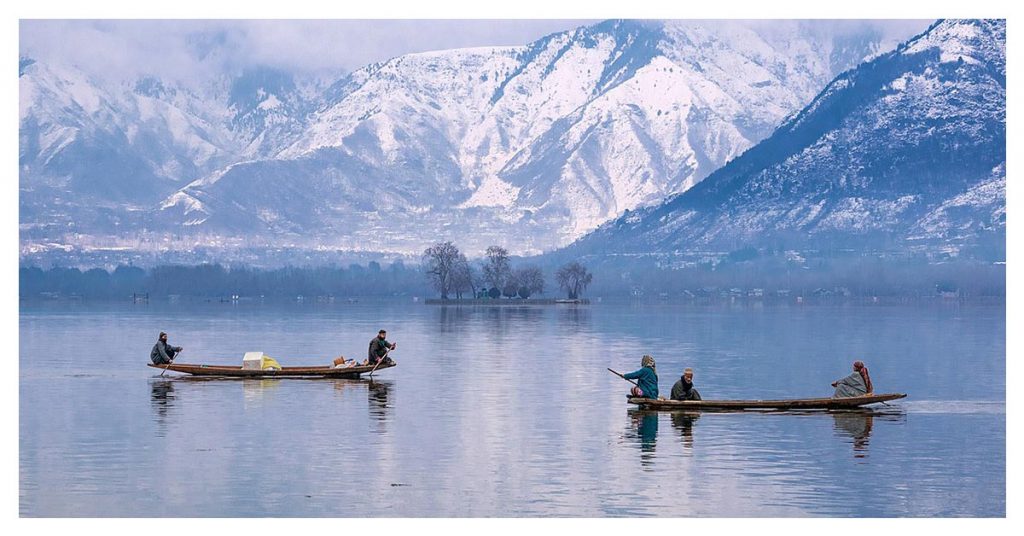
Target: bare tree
column 440, row 262
column 463, row 278
column 529, row 281
column 574, row 278
column 496, row 267
column 511, row 287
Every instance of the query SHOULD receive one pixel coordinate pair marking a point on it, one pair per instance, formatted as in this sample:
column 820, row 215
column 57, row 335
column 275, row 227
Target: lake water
column 509, row 411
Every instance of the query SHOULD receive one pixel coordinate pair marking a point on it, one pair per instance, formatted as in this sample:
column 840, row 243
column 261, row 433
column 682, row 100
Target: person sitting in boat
column 683, row 389
column 163, row 353
column 379, row 348
column 858, row 383
column 646, row 379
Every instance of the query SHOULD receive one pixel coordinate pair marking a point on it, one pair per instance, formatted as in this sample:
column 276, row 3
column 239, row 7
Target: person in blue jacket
column 646, row 379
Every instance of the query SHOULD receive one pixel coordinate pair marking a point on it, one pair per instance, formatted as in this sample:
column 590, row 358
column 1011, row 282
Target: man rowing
column 683, row 388
column 163, row 353
column 858, row 383
column 646, row 378
column 379, row 348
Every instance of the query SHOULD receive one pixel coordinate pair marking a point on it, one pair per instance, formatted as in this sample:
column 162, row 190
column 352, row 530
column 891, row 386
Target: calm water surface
column 509, row 411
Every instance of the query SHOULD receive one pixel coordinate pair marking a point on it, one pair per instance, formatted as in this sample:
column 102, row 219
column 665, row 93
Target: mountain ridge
column 542, row 142
column 819, row 177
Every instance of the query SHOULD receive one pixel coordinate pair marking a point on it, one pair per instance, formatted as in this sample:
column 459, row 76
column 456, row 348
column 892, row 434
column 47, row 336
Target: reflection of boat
column 284, row 372
column 788, row 404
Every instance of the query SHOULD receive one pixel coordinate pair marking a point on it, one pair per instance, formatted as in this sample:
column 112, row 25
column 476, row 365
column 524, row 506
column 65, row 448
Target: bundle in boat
column 259, row 361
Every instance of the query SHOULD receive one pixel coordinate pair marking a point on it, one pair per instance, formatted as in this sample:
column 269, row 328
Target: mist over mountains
column 530, row 146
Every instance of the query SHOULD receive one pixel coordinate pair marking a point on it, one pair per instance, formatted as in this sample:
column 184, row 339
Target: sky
column 180, row 48
column 197, row 49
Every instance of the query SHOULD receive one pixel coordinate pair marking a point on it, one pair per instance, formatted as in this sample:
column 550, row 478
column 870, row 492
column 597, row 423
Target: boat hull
column 779, row 405
column 284, row 372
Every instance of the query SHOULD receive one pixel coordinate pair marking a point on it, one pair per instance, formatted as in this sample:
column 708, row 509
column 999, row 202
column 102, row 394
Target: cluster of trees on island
column 451, row 273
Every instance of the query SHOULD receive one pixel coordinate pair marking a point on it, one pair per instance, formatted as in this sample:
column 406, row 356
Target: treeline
column 844, row 276
column 497, row 275
column 214, row 280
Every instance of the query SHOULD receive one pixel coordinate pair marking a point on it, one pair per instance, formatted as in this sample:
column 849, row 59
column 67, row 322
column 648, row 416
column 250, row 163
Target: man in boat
column 646, row 378
column 163, row 353
column 858, row 383
column 379, row 348
column 683, row 388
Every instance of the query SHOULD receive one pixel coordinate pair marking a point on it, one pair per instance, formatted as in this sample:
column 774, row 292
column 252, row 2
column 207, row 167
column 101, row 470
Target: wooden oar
column 379, row 361
column 619, row 374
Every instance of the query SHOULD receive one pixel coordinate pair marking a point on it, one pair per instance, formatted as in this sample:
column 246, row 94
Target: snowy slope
column 544, row 141
column 908, row 151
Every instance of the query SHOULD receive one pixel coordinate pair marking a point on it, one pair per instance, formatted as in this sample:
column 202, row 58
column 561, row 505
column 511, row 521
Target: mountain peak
column 255, row 84
column 908, row 134
column 964, row 40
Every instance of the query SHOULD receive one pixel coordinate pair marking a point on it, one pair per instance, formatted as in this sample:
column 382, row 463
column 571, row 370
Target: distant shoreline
column 505, row 302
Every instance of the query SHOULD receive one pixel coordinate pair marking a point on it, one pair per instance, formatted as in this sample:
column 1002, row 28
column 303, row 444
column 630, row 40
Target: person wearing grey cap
column 683, row 388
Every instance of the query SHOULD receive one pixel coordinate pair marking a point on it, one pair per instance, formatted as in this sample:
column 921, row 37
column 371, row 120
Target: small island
column 496, row 282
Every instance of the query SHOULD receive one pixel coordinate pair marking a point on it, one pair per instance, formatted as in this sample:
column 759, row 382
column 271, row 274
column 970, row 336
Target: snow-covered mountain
column 906, row 151
column 90, row 158
column 528, row 146
column 98, row 157
column 542, row 142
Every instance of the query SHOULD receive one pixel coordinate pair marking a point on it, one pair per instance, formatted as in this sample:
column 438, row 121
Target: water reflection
column 853, row 426
column 573, row 318
column 467, row 433
column 161, row 399
column 683, row 423
column 491, row 319
column 644, row 429
column 378, row 395
column 856, row 425
column 256, row 390
column 505, row 320
column 452, row 318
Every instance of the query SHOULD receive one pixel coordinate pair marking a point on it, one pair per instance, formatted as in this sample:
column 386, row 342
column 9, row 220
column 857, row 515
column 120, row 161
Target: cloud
column 199, row 51
column 190, row 49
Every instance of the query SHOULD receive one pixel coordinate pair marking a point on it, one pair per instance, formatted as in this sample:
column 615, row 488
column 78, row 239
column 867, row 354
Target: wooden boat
column 284, row 372
column 778, row 405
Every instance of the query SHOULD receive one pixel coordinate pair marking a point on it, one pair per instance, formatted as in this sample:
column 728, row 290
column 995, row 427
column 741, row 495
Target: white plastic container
column 252, row 361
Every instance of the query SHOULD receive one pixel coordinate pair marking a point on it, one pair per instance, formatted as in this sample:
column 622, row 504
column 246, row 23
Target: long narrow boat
column 284, row 372
column 780, row 405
